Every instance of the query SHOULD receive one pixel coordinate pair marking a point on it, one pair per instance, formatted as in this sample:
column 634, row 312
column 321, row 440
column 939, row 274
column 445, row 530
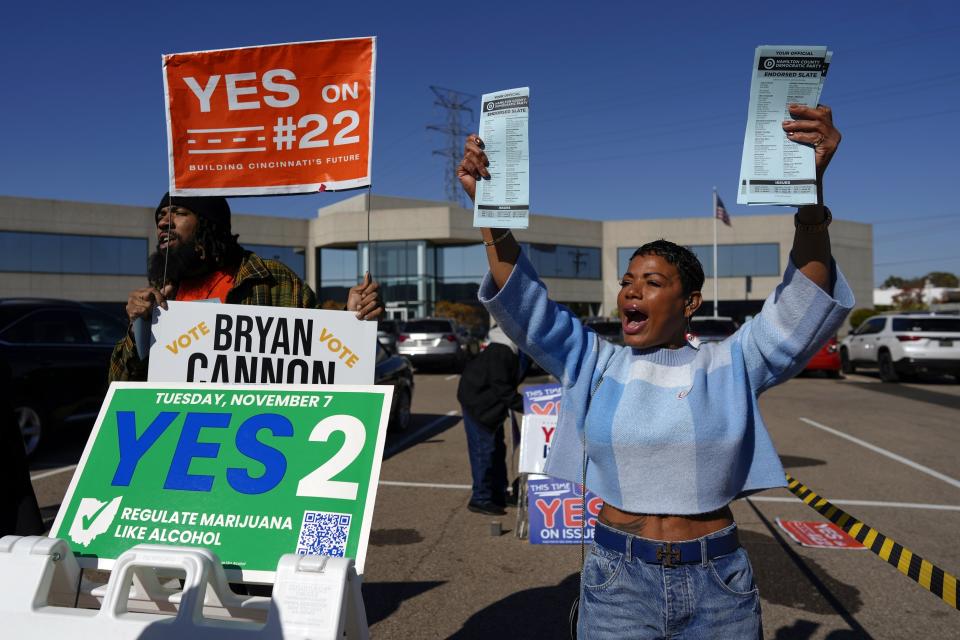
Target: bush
column 859, row 315
column 467, row 315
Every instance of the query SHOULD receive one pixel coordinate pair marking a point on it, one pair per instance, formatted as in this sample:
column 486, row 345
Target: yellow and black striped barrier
column 930, row 577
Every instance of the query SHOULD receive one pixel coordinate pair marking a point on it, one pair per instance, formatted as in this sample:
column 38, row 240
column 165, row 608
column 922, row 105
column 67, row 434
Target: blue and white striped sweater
column 668, row 431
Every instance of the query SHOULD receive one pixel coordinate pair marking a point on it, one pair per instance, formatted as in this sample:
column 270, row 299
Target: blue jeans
column 624, row 597
column 488, row 461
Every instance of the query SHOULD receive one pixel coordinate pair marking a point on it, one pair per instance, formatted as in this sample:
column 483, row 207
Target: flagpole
column 716, row 297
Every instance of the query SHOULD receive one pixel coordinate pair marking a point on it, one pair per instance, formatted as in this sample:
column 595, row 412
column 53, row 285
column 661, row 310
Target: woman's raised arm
column 811, row 242
column 502, row 247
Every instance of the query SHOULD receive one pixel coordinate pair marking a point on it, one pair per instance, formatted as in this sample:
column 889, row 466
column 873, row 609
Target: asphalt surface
column 435, row 571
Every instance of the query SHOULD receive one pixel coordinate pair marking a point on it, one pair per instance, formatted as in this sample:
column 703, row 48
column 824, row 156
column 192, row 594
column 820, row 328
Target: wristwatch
column 813, row 228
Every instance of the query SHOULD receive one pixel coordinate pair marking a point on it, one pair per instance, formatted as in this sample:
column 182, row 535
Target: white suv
column 902, row 345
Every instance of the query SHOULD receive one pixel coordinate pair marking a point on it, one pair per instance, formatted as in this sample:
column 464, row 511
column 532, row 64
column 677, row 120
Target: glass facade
column 563, row 261
column 67, row 253
column 293, row 257
column 415, row 274
column 460, row 269
column 337, row 271
column 740, row 259
column 406, row 272
column 732, row 259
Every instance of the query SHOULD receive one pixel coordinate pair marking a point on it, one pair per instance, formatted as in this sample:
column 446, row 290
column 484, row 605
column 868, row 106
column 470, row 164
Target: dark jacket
column 488, row 386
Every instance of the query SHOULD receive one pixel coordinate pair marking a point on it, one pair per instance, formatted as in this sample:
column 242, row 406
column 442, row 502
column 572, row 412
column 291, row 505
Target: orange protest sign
column 285, row 118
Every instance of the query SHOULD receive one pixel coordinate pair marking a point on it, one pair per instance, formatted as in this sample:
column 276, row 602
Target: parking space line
column 428, row 485
column 884, row 452
column 52, row 472
column 868, row 503
column 452, row 377
column 401, row 444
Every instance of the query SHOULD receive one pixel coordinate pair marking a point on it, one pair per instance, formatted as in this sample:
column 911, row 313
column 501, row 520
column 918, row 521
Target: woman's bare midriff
column 666, row 528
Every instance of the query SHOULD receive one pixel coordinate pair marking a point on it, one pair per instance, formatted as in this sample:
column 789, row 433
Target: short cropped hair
column 686, row 262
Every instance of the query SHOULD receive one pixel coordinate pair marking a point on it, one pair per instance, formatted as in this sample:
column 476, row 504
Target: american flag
column 721, row 212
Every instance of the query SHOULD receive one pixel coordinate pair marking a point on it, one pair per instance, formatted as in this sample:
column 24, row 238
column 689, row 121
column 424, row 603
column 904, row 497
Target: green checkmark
column 86, row 521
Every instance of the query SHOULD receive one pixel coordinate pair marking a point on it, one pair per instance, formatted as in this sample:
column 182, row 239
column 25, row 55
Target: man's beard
column 182, row 262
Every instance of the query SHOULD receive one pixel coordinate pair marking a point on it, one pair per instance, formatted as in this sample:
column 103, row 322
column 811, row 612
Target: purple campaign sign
column 555, row 509
column 542, row 399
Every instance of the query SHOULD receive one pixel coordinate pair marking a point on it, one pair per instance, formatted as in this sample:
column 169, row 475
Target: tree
column 942, row 279
column 910, row 299
column 859, row 315
column 464, row 314
column 936, row 279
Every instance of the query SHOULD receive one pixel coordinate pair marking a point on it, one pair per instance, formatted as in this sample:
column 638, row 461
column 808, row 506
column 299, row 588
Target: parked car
column 58, row 353
column 431, row 341
column 397, row 371
column 902, row 345
column 609, row 329
column 387, row 331
column 712, row 328
column 827, row 359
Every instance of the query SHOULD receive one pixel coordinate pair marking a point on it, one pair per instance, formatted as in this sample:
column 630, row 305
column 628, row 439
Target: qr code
column 324, row 534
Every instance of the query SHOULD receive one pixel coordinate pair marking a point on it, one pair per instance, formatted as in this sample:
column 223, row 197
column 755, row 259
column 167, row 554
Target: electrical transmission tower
column 455, row 103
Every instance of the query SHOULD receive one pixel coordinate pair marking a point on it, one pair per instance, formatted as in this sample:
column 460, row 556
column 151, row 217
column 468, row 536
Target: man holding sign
column 198, row 258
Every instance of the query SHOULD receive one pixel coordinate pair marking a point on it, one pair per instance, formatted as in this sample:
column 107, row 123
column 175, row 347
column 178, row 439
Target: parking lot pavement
column 433, row 570
column 885, row 453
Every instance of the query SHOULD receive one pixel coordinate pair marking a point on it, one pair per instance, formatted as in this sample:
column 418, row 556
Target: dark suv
column 58, row 354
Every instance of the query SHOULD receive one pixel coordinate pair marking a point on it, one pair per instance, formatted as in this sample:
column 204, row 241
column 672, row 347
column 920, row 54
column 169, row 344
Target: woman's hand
column 814, row 126
column 474, row 165
column 811, row 251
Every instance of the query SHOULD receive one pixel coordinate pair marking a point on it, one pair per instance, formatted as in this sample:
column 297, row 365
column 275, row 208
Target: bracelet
column 813, row 228
column 497, row 239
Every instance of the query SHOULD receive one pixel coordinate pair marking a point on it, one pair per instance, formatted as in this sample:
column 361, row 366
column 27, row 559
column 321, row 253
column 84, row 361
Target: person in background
column 488, row 393
column 199, row 258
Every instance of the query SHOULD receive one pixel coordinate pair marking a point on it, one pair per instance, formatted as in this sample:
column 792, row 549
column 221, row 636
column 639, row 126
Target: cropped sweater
column 668, row 431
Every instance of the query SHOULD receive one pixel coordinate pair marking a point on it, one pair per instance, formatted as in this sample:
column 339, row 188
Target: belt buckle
column 668, row 555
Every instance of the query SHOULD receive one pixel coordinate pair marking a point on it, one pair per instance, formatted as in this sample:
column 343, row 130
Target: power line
column 668, row 150
column 455, row 103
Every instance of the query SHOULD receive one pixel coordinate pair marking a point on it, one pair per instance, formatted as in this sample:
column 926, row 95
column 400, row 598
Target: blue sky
column 638, row 109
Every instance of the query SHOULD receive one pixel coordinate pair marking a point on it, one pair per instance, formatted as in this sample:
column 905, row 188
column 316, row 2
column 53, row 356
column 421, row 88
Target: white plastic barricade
column 44, row 594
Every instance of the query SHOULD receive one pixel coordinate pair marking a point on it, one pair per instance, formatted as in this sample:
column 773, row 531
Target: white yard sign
column 536, row 436
column 248, row 344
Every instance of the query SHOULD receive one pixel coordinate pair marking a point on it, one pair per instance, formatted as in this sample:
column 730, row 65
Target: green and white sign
column 251, row 473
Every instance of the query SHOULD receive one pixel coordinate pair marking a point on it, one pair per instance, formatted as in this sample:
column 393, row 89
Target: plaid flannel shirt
column 262, row 282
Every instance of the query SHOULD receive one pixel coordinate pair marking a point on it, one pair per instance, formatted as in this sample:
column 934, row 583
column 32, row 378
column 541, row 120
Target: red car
column 826, row 359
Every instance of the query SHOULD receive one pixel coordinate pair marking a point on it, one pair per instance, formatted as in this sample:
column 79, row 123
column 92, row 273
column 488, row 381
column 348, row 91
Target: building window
column 563, row 261
column 732, row 259
column 462, row 262
column 740, row 259
column 337, row 271
column 460, row 268
column 293, row 257
column 623, row 259
column 63, row 253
